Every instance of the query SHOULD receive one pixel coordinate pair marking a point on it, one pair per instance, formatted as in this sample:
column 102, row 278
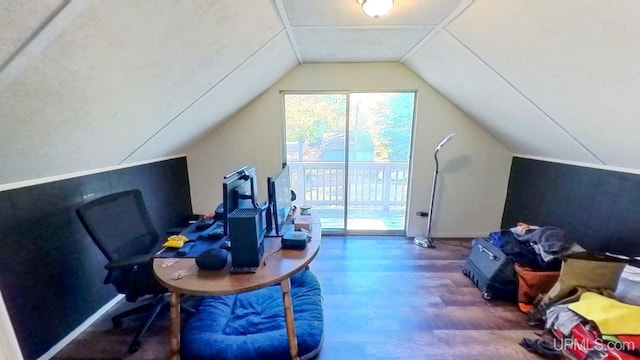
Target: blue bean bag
column 251, row 325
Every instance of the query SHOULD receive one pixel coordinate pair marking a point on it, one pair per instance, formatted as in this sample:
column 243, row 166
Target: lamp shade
column 445, row 141
column 376, row 8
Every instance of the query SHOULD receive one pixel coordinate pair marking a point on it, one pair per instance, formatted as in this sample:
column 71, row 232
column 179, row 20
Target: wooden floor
column 384, row 298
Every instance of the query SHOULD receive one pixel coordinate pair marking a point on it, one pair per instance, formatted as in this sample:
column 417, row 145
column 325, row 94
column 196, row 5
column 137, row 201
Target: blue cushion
column 251, row 325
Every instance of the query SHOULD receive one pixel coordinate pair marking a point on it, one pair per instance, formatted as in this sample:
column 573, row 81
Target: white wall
column 9, row 349
column 474, row 167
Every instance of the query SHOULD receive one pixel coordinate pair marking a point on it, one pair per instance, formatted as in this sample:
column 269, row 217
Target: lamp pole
column 427, row 241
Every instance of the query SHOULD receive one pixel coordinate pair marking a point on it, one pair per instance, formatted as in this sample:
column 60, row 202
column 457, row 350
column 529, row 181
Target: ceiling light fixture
column 376, row 8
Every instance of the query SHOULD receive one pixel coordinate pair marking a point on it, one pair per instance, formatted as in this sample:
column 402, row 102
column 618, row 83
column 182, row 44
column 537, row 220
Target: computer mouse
column 212, row 259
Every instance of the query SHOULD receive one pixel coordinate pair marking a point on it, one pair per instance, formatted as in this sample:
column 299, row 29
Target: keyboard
column 204, row 223
column 215, row 231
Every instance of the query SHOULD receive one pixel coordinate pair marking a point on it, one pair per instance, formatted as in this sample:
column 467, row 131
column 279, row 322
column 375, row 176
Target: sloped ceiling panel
column 245, row 83
column 356, row 45
column 487, row 98
column 339, row 31
column 577, row 60
column 118, row 74
column 19, row 20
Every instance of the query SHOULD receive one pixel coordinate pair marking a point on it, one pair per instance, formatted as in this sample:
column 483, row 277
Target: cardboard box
column 302, row 222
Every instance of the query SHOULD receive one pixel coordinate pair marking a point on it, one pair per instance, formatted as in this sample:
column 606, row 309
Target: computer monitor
column 280, row 204
column 239, row 191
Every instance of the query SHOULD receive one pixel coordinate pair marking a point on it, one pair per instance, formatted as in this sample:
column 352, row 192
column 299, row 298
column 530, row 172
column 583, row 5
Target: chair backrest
column 119, row 224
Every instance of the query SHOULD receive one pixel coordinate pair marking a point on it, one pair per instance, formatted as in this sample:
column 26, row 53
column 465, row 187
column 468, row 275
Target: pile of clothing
column 593, row 310
column 536, row 253
column 588, row 303
column 535, row 247
column 596, row 327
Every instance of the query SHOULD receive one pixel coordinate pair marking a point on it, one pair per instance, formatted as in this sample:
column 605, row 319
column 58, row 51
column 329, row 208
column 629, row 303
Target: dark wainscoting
column 599, row 208
column 51, row 273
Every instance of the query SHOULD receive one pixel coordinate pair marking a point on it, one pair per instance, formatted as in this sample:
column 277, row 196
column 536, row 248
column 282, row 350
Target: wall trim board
column 471, row 235
column 31, row 182
column 579, row 163
column 598, row 208
column 82, row 327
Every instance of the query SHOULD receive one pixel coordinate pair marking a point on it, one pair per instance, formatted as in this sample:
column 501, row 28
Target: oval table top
column 276, row 265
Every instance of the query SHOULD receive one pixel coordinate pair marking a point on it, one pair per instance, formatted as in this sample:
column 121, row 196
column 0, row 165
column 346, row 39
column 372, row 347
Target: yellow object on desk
column 175, row 241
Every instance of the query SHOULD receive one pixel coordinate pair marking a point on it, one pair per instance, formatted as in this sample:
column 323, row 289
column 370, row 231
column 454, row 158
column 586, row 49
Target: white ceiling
column 87, row 83
column 19, row 20
column 124, row 81
column 492, row 101
column 338, row 30
column 577, row 60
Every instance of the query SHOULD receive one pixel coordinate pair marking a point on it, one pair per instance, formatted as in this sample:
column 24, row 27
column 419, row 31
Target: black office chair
column 120, row 226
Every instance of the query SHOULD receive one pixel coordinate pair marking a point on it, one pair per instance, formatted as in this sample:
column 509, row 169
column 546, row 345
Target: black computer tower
column 246, row 233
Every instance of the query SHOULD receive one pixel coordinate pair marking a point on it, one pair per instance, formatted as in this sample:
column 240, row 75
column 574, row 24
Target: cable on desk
column 264, row 262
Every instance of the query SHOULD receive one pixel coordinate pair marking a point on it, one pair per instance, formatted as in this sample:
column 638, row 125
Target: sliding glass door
column 349, row 157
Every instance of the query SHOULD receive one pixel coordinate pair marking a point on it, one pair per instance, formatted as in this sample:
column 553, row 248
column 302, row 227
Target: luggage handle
column 485, row 250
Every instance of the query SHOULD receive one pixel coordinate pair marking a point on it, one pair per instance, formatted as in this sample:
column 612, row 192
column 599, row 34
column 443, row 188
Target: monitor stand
column 285, row 228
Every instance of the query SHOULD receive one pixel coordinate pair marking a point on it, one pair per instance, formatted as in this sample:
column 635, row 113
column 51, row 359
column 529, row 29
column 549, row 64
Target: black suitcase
column 491, row 271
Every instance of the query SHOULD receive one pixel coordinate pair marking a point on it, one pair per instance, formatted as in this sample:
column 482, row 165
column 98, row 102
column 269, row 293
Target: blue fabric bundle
column 251, row 325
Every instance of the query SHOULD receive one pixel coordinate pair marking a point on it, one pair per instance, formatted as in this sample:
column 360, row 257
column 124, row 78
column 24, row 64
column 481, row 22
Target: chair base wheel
column 135, row 346
column 487, row 296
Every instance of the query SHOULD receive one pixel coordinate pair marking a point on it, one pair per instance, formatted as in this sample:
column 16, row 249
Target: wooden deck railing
column 371, row 185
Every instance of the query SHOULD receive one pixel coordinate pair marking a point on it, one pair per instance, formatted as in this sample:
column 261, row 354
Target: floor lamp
column 427, row 241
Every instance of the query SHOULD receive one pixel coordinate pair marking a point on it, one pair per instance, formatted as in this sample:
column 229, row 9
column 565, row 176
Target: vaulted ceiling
column 87, row 83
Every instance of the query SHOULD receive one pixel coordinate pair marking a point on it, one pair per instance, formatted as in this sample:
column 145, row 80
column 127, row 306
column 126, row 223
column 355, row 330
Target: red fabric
column 630, row 339
column 584, row 340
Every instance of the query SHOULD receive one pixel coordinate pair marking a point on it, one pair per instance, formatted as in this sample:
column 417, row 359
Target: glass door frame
column 347, row 93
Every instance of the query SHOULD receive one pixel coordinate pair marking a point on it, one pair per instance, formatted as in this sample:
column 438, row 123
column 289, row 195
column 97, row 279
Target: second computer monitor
column 279, row 188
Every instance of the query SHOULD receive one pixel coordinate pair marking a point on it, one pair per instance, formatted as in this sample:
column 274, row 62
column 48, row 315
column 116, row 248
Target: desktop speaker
column 295, row 240
column 247, row 237
column 212, row 259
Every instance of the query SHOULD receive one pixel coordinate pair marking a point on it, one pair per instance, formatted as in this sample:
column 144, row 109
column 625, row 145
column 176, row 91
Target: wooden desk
column 275, row 267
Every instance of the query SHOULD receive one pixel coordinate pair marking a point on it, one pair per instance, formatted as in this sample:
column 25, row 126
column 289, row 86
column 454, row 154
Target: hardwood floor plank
column 384, row 298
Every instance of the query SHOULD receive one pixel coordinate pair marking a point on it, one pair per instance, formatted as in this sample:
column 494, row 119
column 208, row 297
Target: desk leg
column 174, row 331
column 285, row 286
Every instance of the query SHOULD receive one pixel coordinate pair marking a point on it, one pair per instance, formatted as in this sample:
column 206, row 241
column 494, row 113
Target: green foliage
column 311, row 115
column 396, row 126
column 386, row 117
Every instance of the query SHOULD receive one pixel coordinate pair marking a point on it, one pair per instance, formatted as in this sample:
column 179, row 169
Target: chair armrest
column 132, row 261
